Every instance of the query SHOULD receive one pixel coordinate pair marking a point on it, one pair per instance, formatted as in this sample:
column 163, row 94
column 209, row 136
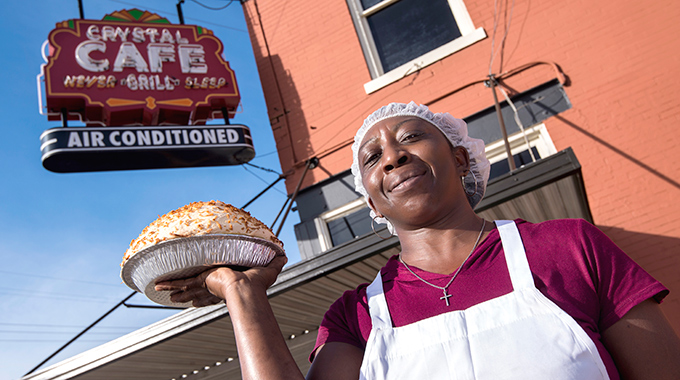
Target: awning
column 199, row 343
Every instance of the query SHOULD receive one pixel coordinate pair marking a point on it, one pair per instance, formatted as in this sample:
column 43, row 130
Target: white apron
column 520, row 335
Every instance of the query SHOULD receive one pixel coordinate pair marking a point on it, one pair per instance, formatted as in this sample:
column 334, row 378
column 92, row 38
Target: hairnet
column 455, row 131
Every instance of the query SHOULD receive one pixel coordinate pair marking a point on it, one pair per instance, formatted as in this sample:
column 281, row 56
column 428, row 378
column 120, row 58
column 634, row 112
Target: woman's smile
column 404, row 181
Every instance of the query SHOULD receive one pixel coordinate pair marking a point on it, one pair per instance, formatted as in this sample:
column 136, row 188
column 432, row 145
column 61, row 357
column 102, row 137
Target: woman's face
column 411, row 172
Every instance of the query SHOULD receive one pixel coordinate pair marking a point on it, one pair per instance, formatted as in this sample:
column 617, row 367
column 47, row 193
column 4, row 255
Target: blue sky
column 62, row 236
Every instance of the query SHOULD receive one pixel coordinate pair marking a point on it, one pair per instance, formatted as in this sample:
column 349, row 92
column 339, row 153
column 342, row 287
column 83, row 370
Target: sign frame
column 87, row 149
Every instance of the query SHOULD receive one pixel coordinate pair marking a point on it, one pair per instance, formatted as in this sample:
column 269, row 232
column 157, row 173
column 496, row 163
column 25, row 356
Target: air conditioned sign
column 84, row 149
column 134, row 67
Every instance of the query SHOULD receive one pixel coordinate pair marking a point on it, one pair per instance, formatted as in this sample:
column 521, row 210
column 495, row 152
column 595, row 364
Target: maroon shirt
column 573, row 263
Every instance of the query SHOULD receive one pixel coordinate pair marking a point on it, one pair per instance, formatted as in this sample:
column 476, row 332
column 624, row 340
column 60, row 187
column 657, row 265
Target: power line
column 74, row 299
column 211, row 8
column 265, row 154
column 55, row 332
column 263, row 169
column 262, row 179
column 54, row 295
column 50, row 340
column 254, row 175
column 57, row 278
column 81, row 333
column 31, row 291
column 63, row 326
column 170, row 13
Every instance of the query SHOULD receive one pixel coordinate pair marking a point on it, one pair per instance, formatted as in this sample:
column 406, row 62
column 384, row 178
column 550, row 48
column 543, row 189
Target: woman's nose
column 395, row 158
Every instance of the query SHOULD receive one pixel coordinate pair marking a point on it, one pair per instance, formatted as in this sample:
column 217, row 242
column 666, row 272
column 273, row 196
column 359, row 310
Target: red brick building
column 593, row 87
column 325, row 66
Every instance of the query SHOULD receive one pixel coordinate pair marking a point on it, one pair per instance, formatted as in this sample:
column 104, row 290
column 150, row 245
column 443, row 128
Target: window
column 537, row 139
column 401, row 36
column 343, row 224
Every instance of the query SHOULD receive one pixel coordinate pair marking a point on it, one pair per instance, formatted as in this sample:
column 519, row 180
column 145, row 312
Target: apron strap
column 377, row 305
column 515, row 256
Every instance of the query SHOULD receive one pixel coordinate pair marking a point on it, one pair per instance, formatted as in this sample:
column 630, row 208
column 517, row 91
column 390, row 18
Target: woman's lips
column 404, row 182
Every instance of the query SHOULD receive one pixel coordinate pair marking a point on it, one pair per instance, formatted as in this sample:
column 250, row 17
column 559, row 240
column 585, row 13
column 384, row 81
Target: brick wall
column 620, row 58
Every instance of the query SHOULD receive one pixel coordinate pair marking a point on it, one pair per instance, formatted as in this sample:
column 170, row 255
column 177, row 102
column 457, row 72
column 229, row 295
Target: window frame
column 380, row 79
column 321, row 222
column 537, row 136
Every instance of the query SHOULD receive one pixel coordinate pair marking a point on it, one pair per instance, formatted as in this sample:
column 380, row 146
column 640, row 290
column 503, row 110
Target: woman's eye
column 371, row 159
column 410, row 136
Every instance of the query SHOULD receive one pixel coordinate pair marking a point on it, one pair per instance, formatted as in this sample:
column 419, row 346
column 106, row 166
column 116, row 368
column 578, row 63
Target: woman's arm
column 262, row 350
column 644, row 345
column 326, row 366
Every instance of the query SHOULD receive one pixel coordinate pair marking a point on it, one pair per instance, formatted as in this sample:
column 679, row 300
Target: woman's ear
column 462, row 159
column 372, row 206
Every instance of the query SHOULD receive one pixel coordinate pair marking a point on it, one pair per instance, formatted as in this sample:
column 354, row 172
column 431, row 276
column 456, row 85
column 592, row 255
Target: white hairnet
column 455, row 131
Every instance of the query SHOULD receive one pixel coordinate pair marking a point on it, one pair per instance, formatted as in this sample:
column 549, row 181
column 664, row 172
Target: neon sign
column 135, row 68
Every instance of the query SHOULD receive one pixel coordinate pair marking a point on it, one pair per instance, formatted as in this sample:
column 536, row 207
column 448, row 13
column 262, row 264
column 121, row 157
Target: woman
column 465, row 298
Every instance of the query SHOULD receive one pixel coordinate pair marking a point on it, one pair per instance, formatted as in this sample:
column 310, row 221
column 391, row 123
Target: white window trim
column 424, row 60
column 321, row 222
column 324, row 235
column 537, row 136
column 469, row 36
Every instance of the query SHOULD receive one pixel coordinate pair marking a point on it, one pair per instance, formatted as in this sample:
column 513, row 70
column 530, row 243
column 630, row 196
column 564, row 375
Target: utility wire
column 263, row 169
column 501, row 45
column 81, row 333
column 263, row 180
column 43, row 292
column 518, row 121
column 50, row 341
column 57, row 278
column 63, row 326
column 211, row 8
column 55, row 332
column 173, row 14
column 253, row 174
column 65, row 298
column 268, row 187
column 265, row 154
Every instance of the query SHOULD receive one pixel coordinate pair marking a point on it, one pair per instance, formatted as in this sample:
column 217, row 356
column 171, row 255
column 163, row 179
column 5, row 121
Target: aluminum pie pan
column 187, row 257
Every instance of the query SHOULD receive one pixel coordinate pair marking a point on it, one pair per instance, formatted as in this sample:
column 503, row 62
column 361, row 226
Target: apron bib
column 520, row 335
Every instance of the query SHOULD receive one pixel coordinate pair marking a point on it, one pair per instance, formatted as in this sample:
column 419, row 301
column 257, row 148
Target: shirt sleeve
column 341, row 323
column 620, row 282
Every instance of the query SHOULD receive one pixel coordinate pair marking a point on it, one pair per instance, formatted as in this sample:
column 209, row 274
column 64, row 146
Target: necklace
column 444, row 288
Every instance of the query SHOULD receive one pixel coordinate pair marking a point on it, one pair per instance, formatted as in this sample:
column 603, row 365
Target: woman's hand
column 215, row 285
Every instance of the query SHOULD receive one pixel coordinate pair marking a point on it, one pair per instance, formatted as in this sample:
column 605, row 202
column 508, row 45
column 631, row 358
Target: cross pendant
column 445, row 297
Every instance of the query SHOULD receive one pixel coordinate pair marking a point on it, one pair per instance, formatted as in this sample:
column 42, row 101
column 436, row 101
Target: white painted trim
column 425, row 60
column 321, row 222
column 538, row 138
column 378, row 7
column 324, row 235
column 344, row 210
column 462, row 17
column 365, row 38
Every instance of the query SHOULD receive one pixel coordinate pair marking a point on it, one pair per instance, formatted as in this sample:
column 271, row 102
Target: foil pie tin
column 187, row 257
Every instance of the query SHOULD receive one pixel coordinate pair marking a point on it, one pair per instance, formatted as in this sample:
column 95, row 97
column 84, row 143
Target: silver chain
column 443, row 288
